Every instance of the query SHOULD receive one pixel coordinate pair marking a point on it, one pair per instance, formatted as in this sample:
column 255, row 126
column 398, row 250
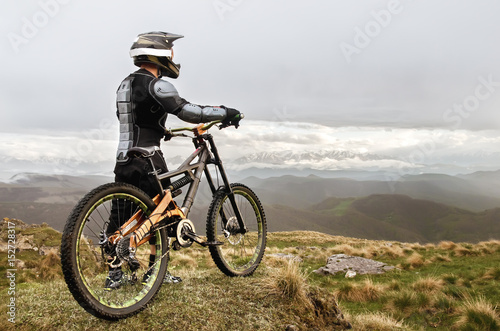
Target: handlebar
column 200, row 129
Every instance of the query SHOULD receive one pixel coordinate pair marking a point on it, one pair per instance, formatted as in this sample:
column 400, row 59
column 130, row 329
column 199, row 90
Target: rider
column 144, row 101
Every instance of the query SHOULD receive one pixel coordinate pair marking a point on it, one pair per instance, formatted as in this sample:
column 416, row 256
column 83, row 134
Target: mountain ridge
column 328, row 205
column 389, row 217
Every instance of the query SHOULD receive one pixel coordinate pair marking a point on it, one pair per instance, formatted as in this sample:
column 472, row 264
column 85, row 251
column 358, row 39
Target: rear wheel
column 240, row 253
column 84, row 259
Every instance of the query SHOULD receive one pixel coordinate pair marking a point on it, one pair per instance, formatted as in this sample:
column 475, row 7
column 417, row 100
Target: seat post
column 155, row 174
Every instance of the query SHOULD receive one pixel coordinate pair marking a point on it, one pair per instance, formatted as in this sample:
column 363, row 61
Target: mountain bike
column 116, row 218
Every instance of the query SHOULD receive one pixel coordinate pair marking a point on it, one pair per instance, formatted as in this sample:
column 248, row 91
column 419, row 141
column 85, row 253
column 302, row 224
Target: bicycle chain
column 157, row 228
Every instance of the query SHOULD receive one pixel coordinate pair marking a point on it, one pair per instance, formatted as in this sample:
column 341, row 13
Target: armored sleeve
column 166, row 95
column 201, row 114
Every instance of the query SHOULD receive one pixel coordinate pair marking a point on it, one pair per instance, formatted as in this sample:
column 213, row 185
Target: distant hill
column 477, row 192
column 428, row 207
column 39, row 198
column 389, row 217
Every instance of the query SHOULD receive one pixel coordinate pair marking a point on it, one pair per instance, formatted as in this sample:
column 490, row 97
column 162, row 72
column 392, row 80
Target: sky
column 416, row 80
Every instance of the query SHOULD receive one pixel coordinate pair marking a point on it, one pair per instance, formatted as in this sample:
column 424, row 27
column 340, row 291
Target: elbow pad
column 197, row 114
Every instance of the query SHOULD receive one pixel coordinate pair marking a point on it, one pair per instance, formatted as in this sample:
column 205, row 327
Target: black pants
column 135, row 172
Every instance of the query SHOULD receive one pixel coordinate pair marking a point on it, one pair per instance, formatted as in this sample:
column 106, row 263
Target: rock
column 344, row 263
column 45, row 250
column 20, row 264
column 7, row 223
column 350, row 274
column 24, row 242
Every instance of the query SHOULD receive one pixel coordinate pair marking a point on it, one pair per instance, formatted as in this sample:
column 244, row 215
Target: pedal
column 197, row 239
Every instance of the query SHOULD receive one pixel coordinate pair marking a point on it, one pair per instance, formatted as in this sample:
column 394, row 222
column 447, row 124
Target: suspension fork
column 218, row 163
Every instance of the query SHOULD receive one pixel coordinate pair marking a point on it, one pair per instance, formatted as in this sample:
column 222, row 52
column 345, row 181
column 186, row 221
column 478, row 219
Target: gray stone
column 343, row 263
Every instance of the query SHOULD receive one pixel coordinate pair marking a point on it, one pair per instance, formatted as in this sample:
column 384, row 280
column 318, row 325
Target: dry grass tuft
column 415, row 260
column 478, row 314
column 289, row 282
column 49, row 268
column 485, row 250
column 305, row 237
column 441, row 258
column 393, row 251
column 364, row 292
column 275, row 261
column 428, row 285
column 488, row 247
column 369, row 252
column 345, row 249
column 493, row 243
column 447, row 245
column 416, row 246
column 492, row 273
column 375, row 321
column 460, row 250
column 429, row 247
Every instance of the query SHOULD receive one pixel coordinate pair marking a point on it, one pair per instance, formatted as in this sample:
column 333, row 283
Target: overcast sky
column 395, row 66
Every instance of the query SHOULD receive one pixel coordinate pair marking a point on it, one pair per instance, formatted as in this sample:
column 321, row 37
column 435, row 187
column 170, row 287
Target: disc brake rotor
column 231, row 232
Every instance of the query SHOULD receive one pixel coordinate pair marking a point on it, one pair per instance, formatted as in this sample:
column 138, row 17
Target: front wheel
column 240, row 252
column 86, row 260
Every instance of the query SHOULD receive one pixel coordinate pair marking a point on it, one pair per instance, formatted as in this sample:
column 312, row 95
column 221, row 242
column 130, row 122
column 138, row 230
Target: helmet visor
column 168, row 53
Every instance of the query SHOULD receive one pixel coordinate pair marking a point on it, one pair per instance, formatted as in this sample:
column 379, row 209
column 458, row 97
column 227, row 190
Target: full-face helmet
column 156, row 48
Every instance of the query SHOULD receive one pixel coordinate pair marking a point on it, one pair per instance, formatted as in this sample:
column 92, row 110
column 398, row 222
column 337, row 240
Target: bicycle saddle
column 142, row 151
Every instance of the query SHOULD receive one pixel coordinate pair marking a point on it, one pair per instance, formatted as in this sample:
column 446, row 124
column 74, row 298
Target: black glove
column 232, row 117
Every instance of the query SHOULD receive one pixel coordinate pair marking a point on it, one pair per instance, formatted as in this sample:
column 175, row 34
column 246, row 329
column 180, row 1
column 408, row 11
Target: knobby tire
column 240, row 254
column 83, row 260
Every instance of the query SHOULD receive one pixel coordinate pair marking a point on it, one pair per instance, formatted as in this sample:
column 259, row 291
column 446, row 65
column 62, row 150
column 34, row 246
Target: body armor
column 143, row 103
column 124, row 112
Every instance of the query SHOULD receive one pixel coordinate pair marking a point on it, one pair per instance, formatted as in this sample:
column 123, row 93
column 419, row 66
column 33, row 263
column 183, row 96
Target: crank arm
column 197, row 239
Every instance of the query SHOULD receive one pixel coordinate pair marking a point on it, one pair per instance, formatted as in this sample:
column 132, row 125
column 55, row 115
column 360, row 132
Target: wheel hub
column 232, row 231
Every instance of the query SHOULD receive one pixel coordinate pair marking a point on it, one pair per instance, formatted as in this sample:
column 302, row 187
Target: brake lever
column 170, row 135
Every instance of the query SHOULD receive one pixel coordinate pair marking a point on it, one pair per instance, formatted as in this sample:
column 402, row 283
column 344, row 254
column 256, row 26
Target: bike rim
column 91, row 262
column 240, row 252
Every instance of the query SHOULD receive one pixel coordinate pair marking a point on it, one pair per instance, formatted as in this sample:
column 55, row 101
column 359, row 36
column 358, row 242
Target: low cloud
column 393, row 148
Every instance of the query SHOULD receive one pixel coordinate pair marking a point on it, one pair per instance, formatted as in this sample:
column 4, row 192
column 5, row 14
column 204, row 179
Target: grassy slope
column 208, row 300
